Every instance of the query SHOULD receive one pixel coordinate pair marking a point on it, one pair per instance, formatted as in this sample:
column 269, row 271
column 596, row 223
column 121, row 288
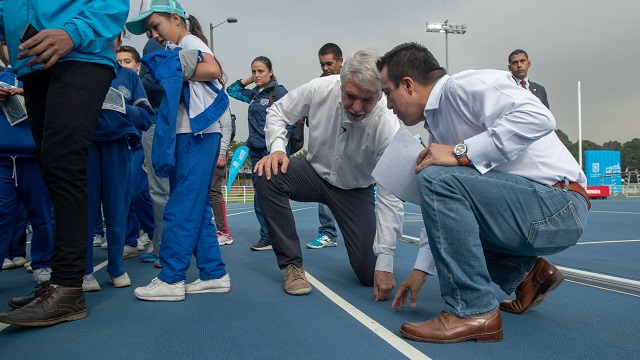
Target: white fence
column 238, row 194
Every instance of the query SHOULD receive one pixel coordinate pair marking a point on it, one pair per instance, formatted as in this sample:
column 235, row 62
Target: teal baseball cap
column 136, row 25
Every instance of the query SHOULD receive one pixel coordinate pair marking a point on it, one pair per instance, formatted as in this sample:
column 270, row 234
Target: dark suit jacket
column 539, row 91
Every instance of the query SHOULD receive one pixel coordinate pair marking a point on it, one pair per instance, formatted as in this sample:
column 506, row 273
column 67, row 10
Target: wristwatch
column 460, row 152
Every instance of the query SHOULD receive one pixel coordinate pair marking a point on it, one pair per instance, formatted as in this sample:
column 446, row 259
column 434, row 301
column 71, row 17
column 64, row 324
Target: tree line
column 629, row 151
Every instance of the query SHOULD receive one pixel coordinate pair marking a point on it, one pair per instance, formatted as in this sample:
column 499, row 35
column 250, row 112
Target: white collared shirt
column 342, row 152
column 518, row 82
column 504, row 128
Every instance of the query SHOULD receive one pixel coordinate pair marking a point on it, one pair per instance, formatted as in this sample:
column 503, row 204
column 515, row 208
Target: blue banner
column 239, row 156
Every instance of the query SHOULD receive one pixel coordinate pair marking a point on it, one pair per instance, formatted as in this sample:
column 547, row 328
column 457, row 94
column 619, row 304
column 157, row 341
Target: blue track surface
column 257, row 320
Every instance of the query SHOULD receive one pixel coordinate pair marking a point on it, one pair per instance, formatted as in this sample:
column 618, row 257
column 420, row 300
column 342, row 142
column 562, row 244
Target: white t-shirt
column 201, row 95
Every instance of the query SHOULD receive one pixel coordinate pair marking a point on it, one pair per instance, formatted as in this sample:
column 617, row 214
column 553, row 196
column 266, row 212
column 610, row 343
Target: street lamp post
column 229, row 20
column 447, row 29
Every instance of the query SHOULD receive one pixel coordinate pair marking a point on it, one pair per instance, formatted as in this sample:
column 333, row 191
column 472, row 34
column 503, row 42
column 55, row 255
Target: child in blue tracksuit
column 141, row 209
column 259, row 99
column 109, row 173
column 186, row 145
column 21, row 182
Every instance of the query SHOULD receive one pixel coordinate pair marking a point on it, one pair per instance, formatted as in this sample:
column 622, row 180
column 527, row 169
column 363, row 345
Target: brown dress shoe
column 448, row 329
column 20, row 301
column 53, row 304
column 295, row 282
column 542, row 279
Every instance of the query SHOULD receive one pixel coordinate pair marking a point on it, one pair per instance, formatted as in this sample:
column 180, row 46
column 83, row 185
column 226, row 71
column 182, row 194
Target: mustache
column 357, row 113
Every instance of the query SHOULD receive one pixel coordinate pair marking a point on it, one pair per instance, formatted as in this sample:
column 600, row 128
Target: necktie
column 524, row 84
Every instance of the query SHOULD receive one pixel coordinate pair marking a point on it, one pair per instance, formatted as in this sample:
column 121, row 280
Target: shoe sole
column 162, row 298
column 490, row 337
column 129, row 256
column 146, row 260
column 262, row 248
column 71, row 317
column 309, row 246
column 298, row 292
column 120, row 285
column 226, row 242
column 92, row 289
column 217, row 291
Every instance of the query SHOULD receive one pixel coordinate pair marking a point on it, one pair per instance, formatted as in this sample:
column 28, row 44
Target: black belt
column 574, row 186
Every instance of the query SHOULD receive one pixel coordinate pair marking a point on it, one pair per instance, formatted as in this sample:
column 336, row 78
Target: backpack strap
column 272, row 94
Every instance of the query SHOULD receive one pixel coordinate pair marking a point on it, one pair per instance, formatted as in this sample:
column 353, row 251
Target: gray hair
column 361, row 67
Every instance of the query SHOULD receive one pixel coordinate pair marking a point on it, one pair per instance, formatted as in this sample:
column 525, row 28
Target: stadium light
column 447, row 29
column 229, row 20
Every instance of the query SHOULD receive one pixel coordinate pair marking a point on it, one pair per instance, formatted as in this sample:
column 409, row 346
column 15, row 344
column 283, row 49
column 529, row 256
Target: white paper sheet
column 395, row 169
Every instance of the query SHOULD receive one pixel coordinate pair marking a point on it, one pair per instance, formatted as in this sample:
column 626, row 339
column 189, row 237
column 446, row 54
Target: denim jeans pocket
column 556, row 233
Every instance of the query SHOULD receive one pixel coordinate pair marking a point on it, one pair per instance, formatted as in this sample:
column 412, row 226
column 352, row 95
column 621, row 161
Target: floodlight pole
column 229, row 20
column 446, row 28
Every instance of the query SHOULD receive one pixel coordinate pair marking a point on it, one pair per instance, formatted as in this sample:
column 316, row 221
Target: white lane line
column 250, row 211
column 3, row 326
column 606, row 242
column 386, row 335
column 616, row 212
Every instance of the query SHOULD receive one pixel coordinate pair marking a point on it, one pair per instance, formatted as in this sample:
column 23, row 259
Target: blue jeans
column 491, row 228
column 327, row 222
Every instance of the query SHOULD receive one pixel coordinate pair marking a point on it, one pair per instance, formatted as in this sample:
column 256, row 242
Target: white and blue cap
column 136, row 25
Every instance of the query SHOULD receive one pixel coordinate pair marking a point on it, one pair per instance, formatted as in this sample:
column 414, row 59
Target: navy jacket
column 113, row 125
column 258, row 104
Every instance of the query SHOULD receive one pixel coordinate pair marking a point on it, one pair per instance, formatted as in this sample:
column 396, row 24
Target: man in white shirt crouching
column 351, row 129
column 498, row 190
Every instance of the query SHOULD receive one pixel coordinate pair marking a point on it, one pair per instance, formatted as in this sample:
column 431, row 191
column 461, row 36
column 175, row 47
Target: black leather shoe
column 51, row 305
column 20, row 301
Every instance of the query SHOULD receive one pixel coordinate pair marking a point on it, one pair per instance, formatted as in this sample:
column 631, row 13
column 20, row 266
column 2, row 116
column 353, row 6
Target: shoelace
column 43, row 291
column 297, row 273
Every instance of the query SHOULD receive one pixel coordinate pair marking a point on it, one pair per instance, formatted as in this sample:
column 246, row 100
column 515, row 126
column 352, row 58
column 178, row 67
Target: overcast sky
column 595, row 42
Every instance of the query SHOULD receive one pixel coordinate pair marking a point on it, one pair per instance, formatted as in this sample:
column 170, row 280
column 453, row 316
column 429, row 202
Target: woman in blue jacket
column 266, row 91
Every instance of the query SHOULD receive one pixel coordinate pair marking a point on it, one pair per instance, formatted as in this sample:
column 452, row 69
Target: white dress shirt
column 342, row 152
column 504, row 128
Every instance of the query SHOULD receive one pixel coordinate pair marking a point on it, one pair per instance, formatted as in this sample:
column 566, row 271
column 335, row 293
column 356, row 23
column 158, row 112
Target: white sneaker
column 120, row 281
column 129, row 252
column 89, row 283
column 8, row 264
column 28, row 267
column 19, row 261
column 42, row 275
column 221, row 285
column 104, row 246
column 97, row 240
column 159, row 290
column 224, row 238
column 143, row 240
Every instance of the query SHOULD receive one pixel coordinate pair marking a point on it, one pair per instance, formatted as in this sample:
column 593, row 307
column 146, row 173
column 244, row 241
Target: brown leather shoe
column 295, row 282
column 448, row 329
column 20, row 301
column 542, row 279
column 53, row 304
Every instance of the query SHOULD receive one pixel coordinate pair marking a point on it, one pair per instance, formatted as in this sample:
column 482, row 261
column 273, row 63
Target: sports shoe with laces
column 104, row 246
column 97, row 240
column 143, row 240
column 42, row 275
column 8, row 264
column 224, row 238
column 129, row 252
column 220, row 285
column 295, row 281
column 159, row 290
column 19, row 261
column 89, row 283
column 323, row 240
column 120, row 281
column 262, row 244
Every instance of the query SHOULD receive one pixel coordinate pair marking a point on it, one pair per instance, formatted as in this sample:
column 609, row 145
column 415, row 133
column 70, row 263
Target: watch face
column 459, row 149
